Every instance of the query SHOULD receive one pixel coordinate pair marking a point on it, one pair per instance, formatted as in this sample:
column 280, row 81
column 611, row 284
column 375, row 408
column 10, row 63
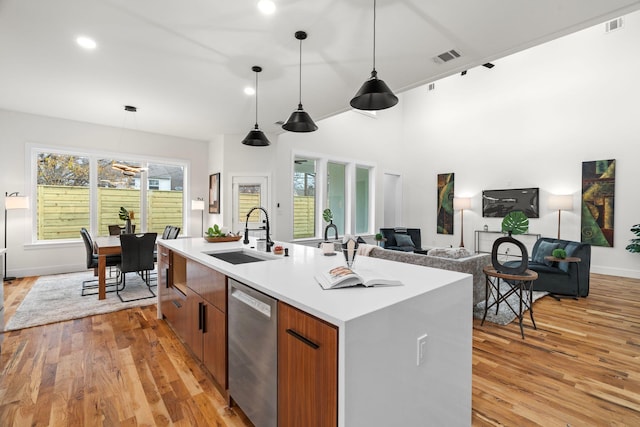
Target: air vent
column 616, row 24
column 432, row 86
column 447, row 56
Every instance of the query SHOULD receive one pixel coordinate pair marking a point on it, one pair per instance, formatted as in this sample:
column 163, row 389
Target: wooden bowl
column 222, row 239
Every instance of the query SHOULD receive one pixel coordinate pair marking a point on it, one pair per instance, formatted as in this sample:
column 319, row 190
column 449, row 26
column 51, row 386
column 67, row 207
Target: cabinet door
column 307, row 370
column 195, row 321
column 163, row 281
column 215, row 344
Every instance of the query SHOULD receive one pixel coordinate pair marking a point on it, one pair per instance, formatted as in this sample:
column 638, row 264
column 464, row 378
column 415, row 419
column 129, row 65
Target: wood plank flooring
column 581, row 367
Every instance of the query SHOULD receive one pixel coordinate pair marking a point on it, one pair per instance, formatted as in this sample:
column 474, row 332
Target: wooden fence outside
column 63, row 210
column 304, row 216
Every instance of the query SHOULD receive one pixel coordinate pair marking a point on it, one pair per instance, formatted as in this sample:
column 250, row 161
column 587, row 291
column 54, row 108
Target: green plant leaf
column 123, row 214
column 327, row 215
column 516, row 222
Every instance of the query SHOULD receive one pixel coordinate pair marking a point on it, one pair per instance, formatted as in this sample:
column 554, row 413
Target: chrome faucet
column 265, row 227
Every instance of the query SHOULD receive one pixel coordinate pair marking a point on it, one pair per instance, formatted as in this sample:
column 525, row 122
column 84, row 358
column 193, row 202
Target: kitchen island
column 403, row 352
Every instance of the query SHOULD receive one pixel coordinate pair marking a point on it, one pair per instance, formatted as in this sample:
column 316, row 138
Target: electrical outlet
column 421, row 349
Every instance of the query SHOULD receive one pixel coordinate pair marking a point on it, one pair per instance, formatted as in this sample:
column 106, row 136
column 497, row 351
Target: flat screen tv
column 498, row 203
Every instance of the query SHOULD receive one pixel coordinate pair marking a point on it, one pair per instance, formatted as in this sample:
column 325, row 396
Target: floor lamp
column 198, row 205
column 460, row 204
column 561, row 203
column 11, row 201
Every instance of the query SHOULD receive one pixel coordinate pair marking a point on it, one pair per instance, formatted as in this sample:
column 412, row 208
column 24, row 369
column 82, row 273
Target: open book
column 342, row 277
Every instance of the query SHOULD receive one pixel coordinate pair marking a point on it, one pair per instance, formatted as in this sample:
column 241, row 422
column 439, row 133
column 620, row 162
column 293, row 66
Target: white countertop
column 291, row 279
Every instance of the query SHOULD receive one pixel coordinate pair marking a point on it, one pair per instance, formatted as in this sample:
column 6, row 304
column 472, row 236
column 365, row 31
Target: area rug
column 505, row 315
column 57, row 298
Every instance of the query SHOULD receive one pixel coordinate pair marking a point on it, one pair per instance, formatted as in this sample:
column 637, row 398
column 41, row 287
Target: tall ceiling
column 184, row 64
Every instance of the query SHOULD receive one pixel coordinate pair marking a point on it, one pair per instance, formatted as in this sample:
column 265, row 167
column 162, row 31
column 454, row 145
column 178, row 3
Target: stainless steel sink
column 241, row 256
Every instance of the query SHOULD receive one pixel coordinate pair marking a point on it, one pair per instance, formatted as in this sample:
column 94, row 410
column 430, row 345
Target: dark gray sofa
column 561, row 278
column 401, row 239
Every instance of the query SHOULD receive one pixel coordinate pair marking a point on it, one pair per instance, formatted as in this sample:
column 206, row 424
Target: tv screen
column 498, row 203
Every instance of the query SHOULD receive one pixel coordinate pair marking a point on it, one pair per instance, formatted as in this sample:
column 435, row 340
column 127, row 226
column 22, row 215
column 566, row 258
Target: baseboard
column 612, row 271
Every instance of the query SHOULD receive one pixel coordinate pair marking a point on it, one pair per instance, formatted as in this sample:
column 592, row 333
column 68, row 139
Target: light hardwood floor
column 581, row 367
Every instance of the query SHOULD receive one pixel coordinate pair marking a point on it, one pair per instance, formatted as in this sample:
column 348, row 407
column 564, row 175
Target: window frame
column 34, row 150
column 350, row 191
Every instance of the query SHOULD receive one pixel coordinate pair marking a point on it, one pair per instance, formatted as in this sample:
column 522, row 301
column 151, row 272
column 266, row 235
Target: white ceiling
column 184, row 64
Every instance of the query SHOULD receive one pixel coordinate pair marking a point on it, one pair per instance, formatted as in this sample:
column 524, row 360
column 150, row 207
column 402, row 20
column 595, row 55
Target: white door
column 249, row 192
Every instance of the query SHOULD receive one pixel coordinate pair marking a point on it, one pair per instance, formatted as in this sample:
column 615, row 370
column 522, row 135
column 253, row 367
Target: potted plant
column 327, row 215
column 634, row 247
column 379, row 238
column 126, row 216
column 515, row 222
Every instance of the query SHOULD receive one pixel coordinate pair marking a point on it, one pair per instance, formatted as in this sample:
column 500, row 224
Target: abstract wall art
column 445, row 203
column 598, row 196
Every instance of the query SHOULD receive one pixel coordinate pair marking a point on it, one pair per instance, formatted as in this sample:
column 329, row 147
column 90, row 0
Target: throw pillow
column 544, row 249
column 454, row 253
column 404, row 240
column 569, row 249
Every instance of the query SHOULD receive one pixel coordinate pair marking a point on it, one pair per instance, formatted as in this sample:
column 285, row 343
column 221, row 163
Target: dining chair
column 173, row 233
column 115, row 230
column 137, row 257
column 92, row 263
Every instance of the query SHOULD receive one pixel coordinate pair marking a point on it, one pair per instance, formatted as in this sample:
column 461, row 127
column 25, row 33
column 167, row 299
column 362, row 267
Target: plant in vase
column 127, row 216
column 327, row 215
column 515, row 222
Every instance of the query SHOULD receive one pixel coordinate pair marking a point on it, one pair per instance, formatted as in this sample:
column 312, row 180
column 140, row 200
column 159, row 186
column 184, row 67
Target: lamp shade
column 461, row 203
column 561, row 202
column 374, row 94
column 197, row 205
column 300, row 121
column 256, row 138
column 16, row 202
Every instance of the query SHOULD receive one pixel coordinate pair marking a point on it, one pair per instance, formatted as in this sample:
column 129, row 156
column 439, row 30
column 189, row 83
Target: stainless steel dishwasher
column 253, row 347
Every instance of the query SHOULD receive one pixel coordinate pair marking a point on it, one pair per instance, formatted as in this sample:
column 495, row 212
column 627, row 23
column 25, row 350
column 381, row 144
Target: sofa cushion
column 545, row 268
column 570, row 248
column 454, row 253
column 403, row 240
column 545, row 249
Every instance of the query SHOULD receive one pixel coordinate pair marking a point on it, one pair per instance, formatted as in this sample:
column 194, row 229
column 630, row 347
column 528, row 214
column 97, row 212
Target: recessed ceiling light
column 249, row 91
column 266, row 6
column 86, row 42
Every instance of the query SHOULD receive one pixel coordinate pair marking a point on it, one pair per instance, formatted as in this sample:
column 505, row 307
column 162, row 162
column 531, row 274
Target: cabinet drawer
column 208, row 283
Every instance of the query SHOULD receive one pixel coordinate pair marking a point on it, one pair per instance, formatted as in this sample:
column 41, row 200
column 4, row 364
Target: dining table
column 105, row 245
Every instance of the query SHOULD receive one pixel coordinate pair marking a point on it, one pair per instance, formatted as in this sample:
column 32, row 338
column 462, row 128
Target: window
column 304, row 198
column 62, row 196
column 336, row 193
column 339, row 185
column 76, row 190
column 362, row 200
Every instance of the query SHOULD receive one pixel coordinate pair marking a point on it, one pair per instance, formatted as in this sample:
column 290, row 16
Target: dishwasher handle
column 251, row 302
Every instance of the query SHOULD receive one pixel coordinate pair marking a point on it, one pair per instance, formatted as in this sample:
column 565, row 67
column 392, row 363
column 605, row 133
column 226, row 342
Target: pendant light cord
column 374, row 35
column 256, row 100
column 300, row 76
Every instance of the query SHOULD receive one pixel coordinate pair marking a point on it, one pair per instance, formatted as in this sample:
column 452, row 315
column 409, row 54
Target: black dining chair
column 92, row 262
column 115, row 230
column 173, row 233
column 137, row 257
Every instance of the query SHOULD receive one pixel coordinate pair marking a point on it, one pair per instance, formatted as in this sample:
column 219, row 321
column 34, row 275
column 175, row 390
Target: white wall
column 530, row 122
column 19, row 129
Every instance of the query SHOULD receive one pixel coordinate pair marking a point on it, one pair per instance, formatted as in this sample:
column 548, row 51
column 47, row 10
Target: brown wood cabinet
column 194, row 302
column 307, row 370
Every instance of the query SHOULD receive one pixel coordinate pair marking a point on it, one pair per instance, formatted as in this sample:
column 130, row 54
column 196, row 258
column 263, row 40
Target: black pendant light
column 255, row 137
column 299, row 120
column 374, row 93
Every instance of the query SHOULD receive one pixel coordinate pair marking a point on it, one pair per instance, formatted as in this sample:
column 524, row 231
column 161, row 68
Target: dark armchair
column 562, row 278
column 401, row 239
column 92, row 262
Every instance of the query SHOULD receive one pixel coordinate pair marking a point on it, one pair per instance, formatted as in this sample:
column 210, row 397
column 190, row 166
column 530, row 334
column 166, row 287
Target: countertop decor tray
column 222, row 239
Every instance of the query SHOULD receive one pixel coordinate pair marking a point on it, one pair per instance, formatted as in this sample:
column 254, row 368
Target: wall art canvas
column 598, row 191
column 214, row 193
column 498, row 203
column 445, row 203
